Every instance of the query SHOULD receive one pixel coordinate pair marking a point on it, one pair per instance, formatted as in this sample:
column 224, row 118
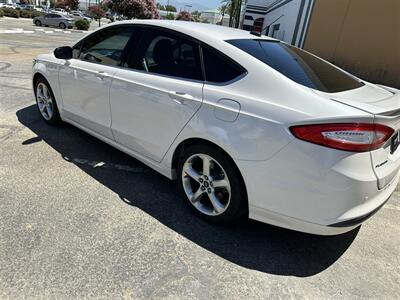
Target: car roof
column 202, row 31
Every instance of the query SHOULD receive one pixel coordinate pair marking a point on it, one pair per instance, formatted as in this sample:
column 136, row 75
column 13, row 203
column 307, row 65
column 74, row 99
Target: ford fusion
column 247, row 125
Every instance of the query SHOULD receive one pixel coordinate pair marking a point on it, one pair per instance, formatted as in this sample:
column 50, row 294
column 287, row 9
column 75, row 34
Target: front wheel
column 62, row 26
column 46, row 102
column 38, row 23
column 212, row 184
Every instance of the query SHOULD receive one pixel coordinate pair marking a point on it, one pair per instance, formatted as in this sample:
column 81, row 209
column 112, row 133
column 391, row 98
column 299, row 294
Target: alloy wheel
column 206, row 184
column 44, row 101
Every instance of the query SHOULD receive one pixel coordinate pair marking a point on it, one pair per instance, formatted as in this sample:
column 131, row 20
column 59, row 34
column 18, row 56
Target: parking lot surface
column 79, row 219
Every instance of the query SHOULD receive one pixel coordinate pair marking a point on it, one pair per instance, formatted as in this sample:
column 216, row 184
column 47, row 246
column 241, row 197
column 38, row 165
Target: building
column 164, row 13
column 286, row 20
column 214, row 16
column 362, row 36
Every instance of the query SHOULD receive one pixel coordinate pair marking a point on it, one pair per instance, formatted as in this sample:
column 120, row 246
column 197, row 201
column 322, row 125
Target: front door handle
column 180, row 97
column 101, row 75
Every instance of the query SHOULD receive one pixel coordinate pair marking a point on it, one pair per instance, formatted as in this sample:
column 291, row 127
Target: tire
column 46, row 102
column 38, row 23
column 62, row 25
column 224, row 184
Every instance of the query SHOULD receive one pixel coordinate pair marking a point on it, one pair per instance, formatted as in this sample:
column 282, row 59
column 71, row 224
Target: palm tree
column 234, row 7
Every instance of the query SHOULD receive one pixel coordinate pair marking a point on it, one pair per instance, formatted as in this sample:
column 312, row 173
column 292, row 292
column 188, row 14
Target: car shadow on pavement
column 250, row 244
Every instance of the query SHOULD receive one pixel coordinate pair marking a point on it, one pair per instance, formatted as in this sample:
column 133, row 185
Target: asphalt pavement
column 80, row 219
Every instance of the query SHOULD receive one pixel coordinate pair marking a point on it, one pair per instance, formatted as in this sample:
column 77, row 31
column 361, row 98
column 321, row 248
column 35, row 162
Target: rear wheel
column 212, row 184
column 38, row 23
column 62, row 26
column 46, row 102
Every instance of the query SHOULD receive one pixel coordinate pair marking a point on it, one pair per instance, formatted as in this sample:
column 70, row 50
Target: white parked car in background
column 78, row 15
column 249, row 126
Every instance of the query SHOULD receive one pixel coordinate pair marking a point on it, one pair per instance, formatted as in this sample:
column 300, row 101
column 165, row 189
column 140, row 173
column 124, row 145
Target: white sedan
column 248, row 125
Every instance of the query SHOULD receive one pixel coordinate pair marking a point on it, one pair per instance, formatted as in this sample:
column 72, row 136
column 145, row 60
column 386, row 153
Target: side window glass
column 218, row 68
column 106, row 46
column 166, row 54
column 76, row 49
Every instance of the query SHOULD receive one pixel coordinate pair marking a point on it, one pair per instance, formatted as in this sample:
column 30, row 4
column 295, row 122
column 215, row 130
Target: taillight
column 347, row 136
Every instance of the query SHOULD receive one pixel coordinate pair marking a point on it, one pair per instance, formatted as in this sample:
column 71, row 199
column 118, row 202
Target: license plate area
column 394, row 143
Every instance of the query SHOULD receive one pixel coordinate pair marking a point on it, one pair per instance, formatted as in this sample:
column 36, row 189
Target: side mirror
column 63, row 52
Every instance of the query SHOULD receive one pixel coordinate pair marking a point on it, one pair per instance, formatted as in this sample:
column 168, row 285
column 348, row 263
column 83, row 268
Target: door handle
column 101, row 75
column 180, row 97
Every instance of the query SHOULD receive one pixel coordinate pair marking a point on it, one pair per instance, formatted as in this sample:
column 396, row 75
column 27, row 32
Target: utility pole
column 98, row 8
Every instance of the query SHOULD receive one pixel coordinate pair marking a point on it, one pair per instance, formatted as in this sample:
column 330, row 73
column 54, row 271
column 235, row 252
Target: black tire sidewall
column 238, row 206
column 62, row 26
column 55, row 118
column 38, row 23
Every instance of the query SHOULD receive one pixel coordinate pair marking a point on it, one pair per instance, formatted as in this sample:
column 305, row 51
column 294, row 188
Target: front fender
column 49, row 70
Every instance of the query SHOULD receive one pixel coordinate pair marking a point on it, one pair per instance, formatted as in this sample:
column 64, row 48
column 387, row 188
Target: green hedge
column 10, row 12
column 15, row 13
column 1, row 13
column 82, row 24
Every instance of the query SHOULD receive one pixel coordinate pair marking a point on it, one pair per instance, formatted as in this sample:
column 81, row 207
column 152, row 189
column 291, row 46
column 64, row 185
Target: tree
column 196, row 16
column 97, row 12
column 72, row 4
column 160, row 7
column 234, row 7
column 170, row 16
column 139, row 9
column 67, row 4
column 59, row 4
column 170, row 8
column 184, row 16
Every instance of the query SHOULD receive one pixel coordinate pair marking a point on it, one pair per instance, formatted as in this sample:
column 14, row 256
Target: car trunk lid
column 384, row 104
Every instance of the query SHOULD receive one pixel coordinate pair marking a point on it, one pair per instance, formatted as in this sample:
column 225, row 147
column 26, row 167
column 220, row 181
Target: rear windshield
column 298, row 65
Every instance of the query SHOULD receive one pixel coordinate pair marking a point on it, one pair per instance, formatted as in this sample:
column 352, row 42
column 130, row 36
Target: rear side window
column 219, row 69
column 298, row 65
column 106, row 46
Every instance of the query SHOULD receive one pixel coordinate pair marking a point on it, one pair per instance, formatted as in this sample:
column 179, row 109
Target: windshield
column 298, row 65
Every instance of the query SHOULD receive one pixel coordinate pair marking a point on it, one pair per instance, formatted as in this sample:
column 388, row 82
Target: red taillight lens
column 349, row 137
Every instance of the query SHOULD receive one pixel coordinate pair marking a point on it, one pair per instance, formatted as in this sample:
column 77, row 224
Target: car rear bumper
column 358, row 220
column 314, row 189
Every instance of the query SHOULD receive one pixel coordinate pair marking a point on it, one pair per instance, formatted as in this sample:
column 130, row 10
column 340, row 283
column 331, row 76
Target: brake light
column 355, row 137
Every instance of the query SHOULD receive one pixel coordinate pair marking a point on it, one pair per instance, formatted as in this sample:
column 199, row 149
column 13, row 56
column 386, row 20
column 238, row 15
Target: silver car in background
column 54, row 20
column 77, row 15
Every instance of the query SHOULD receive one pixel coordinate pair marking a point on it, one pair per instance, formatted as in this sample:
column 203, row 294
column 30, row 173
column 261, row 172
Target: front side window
column 298, row 65
column 106, row 46
column 166, row 54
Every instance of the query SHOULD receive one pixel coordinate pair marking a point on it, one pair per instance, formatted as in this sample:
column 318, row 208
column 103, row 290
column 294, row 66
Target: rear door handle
column 180, row 97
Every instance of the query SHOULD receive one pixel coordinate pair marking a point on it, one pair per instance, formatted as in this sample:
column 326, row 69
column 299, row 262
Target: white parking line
column 12, row 31
column 39, row 30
